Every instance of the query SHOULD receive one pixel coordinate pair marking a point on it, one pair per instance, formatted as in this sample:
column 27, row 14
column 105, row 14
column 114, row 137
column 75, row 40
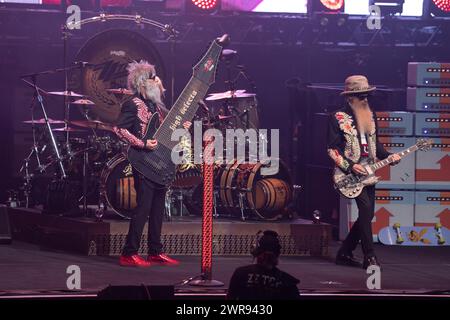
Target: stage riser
column 84, row 236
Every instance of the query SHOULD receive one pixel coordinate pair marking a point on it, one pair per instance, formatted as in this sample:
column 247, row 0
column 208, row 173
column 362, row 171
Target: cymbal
column 42, row 121
column 229, row 95
column 83, row 102
column 94, row 124
column 65, row 93
column 120, row 91
column 70, row 129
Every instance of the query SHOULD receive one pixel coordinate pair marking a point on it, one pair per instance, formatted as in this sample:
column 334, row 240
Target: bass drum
column 263, row 195
column 117, row 186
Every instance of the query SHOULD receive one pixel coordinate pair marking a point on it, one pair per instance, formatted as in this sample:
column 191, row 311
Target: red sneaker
column 162, row 259
column 133, row 261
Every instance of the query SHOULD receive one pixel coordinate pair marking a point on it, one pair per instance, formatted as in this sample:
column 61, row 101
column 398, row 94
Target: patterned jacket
column 344, row 141
column 134, row 117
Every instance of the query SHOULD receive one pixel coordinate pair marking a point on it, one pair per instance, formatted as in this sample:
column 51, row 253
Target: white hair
column 138, row 73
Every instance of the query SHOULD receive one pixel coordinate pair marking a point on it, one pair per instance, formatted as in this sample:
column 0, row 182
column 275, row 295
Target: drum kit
column 96, row 160
column 81, row 149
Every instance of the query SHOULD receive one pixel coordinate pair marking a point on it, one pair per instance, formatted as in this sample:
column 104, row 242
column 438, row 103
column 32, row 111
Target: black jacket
column 133, row 119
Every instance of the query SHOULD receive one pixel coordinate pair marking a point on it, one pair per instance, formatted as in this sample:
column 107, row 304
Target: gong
column 108, row 54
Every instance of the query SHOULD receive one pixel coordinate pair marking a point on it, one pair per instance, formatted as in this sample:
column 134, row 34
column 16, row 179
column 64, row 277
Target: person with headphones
column 263, row 280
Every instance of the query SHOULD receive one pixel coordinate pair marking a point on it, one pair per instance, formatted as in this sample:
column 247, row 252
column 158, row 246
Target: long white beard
column 153, row 93
column 364, row 118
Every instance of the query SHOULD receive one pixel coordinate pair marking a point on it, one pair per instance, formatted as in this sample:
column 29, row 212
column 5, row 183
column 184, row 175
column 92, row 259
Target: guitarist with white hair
column 352, row 138
column 131, row 126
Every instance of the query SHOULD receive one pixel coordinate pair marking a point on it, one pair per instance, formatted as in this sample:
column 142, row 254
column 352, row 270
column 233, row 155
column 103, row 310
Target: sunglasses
column 361, row 96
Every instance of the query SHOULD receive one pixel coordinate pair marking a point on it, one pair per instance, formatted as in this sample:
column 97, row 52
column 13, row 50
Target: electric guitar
column 351, row 185
column 157, row 164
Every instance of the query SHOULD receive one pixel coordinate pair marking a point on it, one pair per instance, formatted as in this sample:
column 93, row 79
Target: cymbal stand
column 47, row 124
column 34, row 149
column 85, row 168
column 65, row 34
column 27, row 184
column 215, row 200
column 84, row 112
column 25, row 166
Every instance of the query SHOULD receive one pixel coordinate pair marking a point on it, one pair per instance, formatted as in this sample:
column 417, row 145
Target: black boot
column 371, row 261
column 347, row 259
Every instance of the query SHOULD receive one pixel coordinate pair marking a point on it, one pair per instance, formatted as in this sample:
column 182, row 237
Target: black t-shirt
column 255, row 282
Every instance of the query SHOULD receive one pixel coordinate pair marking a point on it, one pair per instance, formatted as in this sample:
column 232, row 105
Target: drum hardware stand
column 180, row 198
column 263, row 141
column 44, row 112
column 28, row 177
column 65, row 35
column 168, row 204
column 295, row 197
column 101, row 209
column 241, row 206
column 215, row 196
column 34, row 151
column 85, row 114
column 85, row 167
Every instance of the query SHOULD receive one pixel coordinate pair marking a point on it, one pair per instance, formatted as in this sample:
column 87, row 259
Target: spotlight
column 315, row 6
column 389, row 7
column 443, row 5
column 202, row 6
column 333, row 4
column 436, row 8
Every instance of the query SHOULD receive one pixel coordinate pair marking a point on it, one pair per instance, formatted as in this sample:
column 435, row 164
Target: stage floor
column 28, row 270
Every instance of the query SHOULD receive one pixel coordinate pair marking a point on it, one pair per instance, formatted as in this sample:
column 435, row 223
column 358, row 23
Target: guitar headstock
column 205, row 70
column 424, row 144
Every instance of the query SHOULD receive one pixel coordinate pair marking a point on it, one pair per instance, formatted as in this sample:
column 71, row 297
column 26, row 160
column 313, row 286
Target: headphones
column 266, row 241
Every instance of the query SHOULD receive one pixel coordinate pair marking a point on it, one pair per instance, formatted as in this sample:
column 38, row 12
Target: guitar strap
column 364, row 146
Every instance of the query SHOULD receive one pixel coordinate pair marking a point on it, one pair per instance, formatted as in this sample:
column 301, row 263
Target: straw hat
column 356, row 84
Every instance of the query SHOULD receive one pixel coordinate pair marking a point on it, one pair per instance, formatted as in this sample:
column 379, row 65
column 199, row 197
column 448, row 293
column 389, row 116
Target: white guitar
column 351, row 185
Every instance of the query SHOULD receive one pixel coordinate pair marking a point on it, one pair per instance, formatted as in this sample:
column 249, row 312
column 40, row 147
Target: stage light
column 333, row 4
column 202, row 6
column 389, row 7
column 315, row 6
column 205, row 4
column 436, row 8
column 443, row 5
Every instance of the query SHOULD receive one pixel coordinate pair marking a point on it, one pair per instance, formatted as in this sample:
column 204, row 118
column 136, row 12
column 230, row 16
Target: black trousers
column 362, row 228
column 150, row 198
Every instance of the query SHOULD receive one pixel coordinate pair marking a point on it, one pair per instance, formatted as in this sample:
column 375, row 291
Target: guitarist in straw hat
column 352, row 138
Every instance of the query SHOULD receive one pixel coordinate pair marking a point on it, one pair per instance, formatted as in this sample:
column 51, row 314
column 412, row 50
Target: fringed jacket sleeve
column 125, row 124
column 336, row 146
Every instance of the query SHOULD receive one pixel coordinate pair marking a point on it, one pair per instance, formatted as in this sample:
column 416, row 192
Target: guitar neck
column 387, row 161
column 183, row 110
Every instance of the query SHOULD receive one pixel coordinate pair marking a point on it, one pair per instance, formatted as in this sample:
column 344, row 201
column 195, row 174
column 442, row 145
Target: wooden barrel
column 126, row 194
column 272, row 194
